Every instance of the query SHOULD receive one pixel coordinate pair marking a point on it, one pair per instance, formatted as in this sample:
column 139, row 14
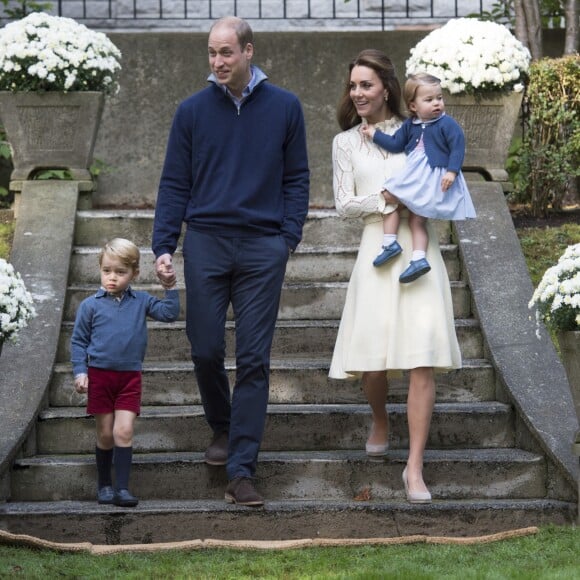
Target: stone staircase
column 481, row 467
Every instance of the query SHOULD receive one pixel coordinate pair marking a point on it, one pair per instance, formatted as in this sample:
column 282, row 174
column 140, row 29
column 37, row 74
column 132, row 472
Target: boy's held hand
column 82, row 384
column 165, row 271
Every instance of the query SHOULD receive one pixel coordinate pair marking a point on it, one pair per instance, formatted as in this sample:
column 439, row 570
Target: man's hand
column 165, row 271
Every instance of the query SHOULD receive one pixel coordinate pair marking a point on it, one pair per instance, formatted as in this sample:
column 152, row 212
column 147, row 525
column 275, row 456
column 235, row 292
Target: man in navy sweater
column 236, row 172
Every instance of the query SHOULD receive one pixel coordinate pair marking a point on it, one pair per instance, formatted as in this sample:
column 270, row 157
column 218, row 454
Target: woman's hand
column 389, row 197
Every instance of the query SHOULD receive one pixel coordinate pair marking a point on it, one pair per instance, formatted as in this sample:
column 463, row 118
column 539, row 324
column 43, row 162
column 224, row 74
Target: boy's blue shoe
column 105, row 495
column 124, row 498
column 414, row 270
column 387, row 254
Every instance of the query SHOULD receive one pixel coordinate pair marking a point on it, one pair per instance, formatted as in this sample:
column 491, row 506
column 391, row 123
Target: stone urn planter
column 51, row 130
column 569, row 342
column 489, row 123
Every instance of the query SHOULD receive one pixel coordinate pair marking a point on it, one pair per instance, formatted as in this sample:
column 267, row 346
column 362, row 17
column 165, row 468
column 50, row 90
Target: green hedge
column 544, row 167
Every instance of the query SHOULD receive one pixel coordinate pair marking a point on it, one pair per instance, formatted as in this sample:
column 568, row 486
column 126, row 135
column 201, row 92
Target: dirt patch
column 6, row 216
column 522, row 217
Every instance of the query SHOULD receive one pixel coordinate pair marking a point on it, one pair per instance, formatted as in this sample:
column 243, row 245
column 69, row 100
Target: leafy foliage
column 544, row 167
column 21, row 8
column 551, row 12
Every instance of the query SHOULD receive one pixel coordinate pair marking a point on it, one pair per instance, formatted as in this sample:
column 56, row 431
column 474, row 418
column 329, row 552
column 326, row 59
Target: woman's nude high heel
column 377, row 450
column 415, row 496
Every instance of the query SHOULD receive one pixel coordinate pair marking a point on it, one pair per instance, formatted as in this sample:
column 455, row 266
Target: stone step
column 288, row 428
column 297, row 381
column 155, row 521
column 297, row 338
column 328, row 475
column 308, row 301
column 322, row 228
column 307, row 264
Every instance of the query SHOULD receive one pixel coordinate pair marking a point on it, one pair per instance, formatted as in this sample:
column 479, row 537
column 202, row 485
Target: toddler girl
column 431, row 185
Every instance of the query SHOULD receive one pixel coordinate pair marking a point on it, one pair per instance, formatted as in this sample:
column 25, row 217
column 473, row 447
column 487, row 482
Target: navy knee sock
column 104, row 463
column 122, row 461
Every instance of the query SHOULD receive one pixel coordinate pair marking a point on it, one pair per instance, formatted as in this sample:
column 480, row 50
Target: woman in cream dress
column 387, row 327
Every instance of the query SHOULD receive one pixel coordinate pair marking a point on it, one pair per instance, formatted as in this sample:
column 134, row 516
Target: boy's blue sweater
column 443, row 138
column 237, row 173
column 112, row 334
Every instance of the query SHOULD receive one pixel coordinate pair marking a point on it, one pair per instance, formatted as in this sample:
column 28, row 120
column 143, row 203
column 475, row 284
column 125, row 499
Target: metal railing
column 269, row 14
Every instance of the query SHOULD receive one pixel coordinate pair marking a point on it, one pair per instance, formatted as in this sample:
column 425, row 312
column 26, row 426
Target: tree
column 528, row 17
column 571, row 16
column 528, row 29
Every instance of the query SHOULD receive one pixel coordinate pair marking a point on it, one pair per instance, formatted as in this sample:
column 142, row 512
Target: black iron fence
column 269, row 14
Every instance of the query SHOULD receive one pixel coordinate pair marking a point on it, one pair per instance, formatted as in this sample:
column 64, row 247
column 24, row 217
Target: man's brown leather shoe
column 241, row 490
column 217, row 452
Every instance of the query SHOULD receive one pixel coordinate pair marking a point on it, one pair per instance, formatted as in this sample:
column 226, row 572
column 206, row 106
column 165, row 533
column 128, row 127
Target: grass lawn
column 6, row 231
column 552, row 553
column 543, row 246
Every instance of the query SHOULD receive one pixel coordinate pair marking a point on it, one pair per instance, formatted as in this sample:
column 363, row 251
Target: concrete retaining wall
column 162, row 68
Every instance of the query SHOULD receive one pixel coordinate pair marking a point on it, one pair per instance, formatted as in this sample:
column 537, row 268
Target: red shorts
column 111, row 391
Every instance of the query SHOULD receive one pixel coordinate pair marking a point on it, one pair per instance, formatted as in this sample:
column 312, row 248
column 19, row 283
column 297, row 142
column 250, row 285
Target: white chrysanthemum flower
column 557, row 297
column 16, row 305
column 46, row 46
column 472, row 56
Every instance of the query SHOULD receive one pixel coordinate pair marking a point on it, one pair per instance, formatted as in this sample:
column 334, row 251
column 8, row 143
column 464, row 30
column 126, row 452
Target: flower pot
column 51, row 130
column 488, row 123
column 569, row 342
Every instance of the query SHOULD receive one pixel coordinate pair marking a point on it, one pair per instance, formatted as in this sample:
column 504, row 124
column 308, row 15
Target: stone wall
column 162, row 68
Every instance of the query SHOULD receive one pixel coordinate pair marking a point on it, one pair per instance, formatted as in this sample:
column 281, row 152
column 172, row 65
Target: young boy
column 107, row 349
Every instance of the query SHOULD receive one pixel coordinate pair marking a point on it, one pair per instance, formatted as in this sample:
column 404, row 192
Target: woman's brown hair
column 379, row 62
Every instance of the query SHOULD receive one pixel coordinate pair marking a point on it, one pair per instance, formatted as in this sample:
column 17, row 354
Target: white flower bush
column 557, row 297
column 473, row 57
column 16, row 306
column 53, row 53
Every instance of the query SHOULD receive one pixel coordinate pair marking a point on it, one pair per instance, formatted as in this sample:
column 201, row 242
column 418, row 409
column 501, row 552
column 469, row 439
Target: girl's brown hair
column 379, row 62
column 412, row 83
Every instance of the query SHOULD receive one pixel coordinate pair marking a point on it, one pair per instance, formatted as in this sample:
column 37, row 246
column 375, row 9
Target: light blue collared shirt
column 257, row 77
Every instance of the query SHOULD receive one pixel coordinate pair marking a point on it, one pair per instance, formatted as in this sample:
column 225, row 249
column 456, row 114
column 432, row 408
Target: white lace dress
column 386, row 325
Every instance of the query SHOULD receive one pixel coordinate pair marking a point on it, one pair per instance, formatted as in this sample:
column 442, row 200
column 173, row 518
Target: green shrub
column 20, row 8
column 545, row 166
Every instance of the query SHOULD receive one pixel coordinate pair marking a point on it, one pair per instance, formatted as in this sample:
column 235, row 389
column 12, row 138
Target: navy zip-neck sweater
column 234, row 172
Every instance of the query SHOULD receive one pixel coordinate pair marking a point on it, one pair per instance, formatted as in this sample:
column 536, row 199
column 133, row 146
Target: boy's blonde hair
column 123, row 250
column 413, row 82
